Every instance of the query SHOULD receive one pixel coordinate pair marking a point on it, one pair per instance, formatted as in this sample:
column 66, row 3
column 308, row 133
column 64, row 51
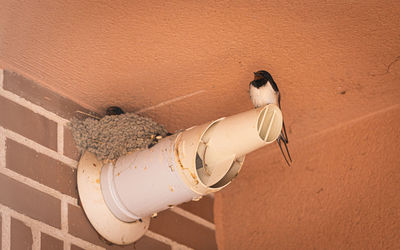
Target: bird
column 114, row 110
column 264, row 90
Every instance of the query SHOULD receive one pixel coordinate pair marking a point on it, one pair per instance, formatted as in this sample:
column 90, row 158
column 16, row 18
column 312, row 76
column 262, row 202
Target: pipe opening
column 219, row 147
column 210, row 171
column 231, row 174
column 225, row 179
column 269, row 124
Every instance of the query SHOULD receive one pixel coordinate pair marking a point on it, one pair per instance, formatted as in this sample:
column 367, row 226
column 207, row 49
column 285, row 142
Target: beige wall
column 188, row 62
column 342, row 192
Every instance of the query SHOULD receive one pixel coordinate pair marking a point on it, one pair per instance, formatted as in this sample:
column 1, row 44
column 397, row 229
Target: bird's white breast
column 263, row 95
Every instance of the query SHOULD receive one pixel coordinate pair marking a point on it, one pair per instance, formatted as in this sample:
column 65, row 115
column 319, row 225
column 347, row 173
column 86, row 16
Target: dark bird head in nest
column 114, row 110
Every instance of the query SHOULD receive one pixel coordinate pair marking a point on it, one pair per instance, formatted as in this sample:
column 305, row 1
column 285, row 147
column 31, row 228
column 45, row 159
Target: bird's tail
column 283, row 138
column 284, row 135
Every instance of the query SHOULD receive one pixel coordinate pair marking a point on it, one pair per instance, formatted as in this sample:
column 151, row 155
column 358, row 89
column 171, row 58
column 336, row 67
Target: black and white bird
column 263, row 91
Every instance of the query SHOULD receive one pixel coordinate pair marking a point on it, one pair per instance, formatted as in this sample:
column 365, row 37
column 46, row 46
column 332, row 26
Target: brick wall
column 38, row 198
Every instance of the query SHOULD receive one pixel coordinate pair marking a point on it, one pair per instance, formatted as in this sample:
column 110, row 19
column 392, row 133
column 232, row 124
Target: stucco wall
column 184, row 63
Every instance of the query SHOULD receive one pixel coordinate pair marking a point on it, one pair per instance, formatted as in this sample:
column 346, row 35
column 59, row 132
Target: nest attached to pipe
column 115, row 135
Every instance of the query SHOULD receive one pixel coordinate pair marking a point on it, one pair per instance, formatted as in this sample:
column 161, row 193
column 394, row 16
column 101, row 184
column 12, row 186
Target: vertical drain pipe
column 182, row 167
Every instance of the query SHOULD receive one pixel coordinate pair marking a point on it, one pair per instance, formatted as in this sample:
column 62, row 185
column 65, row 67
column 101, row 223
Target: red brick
column 48, row 242
column 27, row 123
column 70, row 148
column 80, row 227
column 29, row 201
column 183, row 230
column 73, row 247
column 41, row 168
column 149, row 243
column 203, row 208
column 21, row 235
column 41, row 96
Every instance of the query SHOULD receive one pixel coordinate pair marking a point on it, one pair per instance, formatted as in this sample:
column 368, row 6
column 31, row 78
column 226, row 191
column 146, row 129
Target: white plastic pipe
column 145, row 182
column 188, row 165
column 234, row 137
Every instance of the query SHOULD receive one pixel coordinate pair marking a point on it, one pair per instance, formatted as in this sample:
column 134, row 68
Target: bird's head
column 261, row 78
column 262, row 74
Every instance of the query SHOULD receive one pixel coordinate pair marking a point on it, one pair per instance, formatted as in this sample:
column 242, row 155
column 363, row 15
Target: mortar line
column 5, row 230
column 174, row 245
column 47, row 229
column 38, row 186
column 60, row 138
column 67, row 245
column 193, row 217
column 170, row 101
column 64, row 222
column 31, row 106
column 64, row 214
column 39, row 148
column 36, row 238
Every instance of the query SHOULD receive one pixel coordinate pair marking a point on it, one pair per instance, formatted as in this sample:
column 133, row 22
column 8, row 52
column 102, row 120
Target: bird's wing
column 283, row 137
column 274, row 85
column 279, row 141
column 284, row 134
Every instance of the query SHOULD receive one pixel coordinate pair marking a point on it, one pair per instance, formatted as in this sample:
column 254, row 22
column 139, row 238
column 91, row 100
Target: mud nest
column 115, row 135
